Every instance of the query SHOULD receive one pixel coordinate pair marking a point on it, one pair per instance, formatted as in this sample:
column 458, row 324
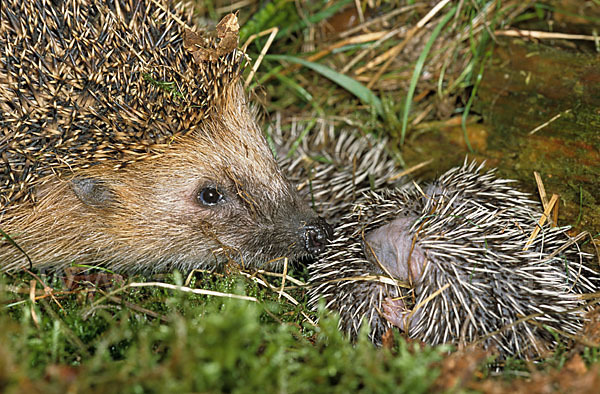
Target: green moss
column 208, row 344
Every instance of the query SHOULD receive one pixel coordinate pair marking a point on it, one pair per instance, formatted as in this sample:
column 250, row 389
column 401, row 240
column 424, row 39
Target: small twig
column 137, row 308
column 359, row 11
column 175, row 287
column 426, row 300
column 278, row 275
column 34, row 316
column 270, row 287
column 47, row 289
column 190, row 290
column 365, row 51
column 361, row 39
column 8, row 239
column 372, row 278
column 233, row 7
column 419, row 118
column 410, row 170
column 392, row 53
column 542, row 220
column 548, row 122
column 272, row 33
column 284, row 294
column 543, row 35
column 283, row 277
column 544, row 199
column 541, row 189
column 382, row 18
column 571, row 241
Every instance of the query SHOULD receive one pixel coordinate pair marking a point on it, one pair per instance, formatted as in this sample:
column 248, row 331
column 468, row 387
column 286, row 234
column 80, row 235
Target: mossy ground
column 154, row 340
column 67, row 338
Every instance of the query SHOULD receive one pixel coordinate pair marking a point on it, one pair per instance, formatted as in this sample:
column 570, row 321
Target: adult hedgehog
column 126, row 141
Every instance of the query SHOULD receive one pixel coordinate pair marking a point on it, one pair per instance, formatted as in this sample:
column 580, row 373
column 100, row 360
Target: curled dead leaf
column 204, row 47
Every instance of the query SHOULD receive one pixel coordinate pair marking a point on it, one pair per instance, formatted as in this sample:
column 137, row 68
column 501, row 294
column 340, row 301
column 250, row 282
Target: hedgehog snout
column 315, row 235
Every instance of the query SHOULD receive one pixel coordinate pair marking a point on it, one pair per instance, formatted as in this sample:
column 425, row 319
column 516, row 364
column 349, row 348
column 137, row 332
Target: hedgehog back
column 91, row 81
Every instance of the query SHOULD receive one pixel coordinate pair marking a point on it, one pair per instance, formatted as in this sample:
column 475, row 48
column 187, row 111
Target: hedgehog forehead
column 234, row 161
column 242, row 150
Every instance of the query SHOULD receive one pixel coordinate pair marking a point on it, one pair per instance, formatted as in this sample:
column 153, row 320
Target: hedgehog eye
column 209, row 196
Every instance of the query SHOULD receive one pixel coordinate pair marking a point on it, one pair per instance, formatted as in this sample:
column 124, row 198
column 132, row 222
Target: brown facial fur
column 149, row 217
column 143, row 214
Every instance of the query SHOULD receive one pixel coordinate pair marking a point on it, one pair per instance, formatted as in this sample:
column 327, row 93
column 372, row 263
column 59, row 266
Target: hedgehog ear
column 92, row 191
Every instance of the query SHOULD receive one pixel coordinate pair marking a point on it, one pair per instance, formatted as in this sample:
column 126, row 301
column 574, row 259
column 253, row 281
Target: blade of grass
column 580, row 206
column 304, row 94
column 477, row 82
column 418, row 68
column 300, row 91
column 298, row 140
column 13, row 243
column 351, row 85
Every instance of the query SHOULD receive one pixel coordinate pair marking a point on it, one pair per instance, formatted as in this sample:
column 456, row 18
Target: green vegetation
column 92, row 343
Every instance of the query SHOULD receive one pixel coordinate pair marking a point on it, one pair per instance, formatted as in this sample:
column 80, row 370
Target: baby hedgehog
column 446, row 264
column 331, row 167
column 126, row 140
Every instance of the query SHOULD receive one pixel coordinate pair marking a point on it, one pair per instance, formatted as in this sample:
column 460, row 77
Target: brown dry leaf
column 460, row 368
column 387, row 339
column 64, row 374
column 198, row 44
column 591, row 330
column 77, row 278
column 573, row 377
column 202, row 44
column 494, row 386
column 228, row 32
column 576, row 366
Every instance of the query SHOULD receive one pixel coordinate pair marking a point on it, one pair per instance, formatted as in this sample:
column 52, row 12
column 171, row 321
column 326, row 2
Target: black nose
column 315, row 235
